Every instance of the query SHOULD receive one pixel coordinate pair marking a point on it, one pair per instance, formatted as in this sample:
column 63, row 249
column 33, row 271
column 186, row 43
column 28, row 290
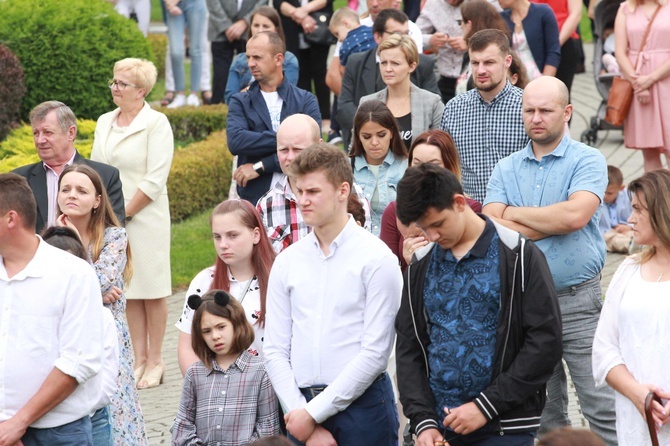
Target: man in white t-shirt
column 254, row 115
column 51, row 340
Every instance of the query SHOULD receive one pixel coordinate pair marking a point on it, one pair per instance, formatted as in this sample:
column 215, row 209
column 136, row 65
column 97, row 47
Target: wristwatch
column 258, row 167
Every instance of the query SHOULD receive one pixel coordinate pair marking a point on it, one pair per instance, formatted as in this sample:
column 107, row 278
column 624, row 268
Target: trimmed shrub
column 191, row 124
column 158, row 43
column 12, row 89
column 19, row 148
column 68, row 49
column 200, row 176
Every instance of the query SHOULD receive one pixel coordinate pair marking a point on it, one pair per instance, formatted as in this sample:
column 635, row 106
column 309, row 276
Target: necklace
column 660, row 276
column 248, row 287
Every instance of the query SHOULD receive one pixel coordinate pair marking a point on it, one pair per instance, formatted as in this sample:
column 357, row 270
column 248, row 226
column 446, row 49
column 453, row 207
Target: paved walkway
column 160, row 404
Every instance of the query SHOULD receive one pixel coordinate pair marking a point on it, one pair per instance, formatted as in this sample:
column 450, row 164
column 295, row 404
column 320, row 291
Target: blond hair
column 142, row 71
column 340, row 15
column 406, row 45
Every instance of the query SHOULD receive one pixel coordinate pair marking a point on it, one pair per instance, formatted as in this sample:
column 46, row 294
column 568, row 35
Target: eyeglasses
column 460, row 21
column 120, row 84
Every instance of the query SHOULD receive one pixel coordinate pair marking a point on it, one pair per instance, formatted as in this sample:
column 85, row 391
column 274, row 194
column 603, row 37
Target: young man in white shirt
column 50, row 331
column 332, row 300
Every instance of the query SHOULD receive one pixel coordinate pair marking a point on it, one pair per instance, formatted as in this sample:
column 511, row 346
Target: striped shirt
column 226, row 407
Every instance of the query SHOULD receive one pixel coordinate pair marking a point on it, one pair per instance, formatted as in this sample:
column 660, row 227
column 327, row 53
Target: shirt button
column 218, row 426
column 538, row 186
column 223, row 393
column 220, row 409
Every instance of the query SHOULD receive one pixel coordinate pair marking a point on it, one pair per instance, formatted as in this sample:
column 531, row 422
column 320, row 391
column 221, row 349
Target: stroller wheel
column 589, row 137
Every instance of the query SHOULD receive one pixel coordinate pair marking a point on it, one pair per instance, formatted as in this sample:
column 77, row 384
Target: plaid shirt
column 226, row 407
column 484, row 134
column 280, row 214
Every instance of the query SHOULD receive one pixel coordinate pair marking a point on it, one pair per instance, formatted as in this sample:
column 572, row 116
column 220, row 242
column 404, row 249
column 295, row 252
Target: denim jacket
column 240, row 74
column 390, row 173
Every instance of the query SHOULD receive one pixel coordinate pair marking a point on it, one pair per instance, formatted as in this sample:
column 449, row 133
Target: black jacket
column 37, row 179
column 528, row 348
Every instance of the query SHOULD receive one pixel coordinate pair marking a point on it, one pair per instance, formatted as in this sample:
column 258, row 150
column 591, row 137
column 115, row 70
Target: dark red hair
column 262, row 256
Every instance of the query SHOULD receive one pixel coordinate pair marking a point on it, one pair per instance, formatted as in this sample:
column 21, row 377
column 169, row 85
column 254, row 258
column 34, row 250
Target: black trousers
column 222, row 58
column 313, row 68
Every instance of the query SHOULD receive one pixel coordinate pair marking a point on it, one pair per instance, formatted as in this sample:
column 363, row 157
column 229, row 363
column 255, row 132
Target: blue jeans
column 76, row 433
column 101, row 427
column 372, row 419
column 580, row 310
column 193, row 14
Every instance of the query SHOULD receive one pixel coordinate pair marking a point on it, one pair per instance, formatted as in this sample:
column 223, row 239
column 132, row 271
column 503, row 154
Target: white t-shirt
column 247, row 292
column 274, row 103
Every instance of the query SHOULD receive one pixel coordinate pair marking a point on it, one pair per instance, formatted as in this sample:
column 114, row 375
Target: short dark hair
column 481, row 40
column 16, row 195
column 614, row 176
column 423, row 187
column 243, row 332
column 379, row 25
column 355, row 208
column 275, row 44
column 66, row 239
column 326, row 157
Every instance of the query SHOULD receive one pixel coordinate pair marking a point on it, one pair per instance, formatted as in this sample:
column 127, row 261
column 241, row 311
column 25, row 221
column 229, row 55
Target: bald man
column 278, row 207
column 551, row 191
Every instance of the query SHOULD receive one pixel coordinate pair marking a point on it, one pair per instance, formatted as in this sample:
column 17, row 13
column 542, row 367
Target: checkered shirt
column 226, row 407
column 484, row 133
column 280, row 214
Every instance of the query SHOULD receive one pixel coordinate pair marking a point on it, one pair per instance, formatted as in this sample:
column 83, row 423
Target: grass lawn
column 191, row 249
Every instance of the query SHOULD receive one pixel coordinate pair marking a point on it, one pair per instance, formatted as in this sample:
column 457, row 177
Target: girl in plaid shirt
column 227, row 398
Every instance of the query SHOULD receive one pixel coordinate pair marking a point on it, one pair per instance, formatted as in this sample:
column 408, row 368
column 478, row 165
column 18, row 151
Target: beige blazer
column 143, row 154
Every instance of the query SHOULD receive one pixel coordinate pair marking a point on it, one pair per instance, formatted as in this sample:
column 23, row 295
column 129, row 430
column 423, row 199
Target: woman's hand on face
column 112, row 295
column 64, row 221
column 410, row 245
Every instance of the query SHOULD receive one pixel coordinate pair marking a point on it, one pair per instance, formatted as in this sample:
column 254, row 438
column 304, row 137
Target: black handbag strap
column 646, row 34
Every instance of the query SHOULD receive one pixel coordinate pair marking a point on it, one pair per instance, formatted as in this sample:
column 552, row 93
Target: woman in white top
column 630, row 348
column 242, row 268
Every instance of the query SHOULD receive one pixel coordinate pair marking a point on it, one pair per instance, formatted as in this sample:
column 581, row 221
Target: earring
column 94, row 210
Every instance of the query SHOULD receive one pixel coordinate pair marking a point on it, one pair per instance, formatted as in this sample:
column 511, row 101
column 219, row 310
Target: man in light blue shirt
column 551, row 191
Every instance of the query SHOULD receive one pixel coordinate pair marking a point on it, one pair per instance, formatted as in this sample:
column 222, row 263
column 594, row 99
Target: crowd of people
column 447, row 262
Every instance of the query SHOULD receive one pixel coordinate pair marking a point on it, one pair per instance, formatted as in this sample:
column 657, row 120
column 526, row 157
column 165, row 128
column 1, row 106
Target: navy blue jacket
column 541, row 29
column 250, row 134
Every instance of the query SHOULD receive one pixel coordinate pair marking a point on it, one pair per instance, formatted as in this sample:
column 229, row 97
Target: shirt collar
column 69, row 163
column 37, row 267
column 240, row 363
column 502, row 93
column 479, row 249
column 388, row 160
column 559, row 151
column 345, row 234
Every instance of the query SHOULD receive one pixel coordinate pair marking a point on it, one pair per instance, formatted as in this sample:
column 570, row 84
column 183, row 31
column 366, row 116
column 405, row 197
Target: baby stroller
column 605, row 13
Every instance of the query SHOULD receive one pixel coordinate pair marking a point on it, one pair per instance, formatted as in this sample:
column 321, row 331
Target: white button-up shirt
column 50, row 316
column 330, row 319
column 52, row 191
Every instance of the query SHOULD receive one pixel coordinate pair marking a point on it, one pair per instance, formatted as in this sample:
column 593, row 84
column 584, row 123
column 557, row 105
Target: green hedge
column 68, row 49
column 200, row 176
column 158, row 43
column 19, row 147
column 191, row 124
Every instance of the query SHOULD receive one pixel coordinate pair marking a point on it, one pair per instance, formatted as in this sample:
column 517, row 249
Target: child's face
column 219, row 334
column 340, row 32
column 612, row 192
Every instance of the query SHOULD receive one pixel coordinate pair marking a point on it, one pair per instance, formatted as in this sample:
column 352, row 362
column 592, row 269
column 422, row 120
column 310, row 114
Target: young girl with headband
column 227, row 397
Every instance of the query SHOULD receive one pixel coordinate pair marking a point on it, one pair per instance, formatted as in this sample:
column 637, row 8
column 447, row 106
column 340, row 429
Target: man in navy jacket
column 254, row 116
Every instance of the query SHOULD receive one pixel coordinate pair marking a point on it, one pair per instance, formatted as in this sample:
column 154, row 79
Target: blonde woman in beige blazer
column 138, row 141
column 416, row 110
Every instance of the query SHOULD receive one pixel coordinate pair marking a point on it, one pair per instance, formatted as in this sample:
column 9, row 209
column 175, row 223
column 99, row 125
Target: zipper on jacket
column 509, row 317
column 411, row 310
